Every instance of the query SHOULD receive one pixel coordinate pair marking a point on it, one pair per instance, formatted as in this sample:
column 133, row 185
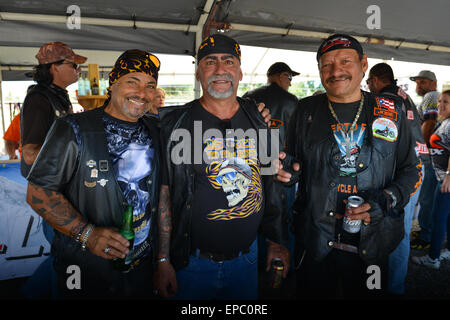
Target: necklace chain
column 358, row 113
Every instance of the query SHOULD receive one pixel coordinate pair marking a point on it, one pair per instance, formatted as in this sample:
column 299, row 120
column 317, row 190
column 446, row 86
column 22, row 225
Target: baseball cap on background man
column 57, row 51
column 218, row 43
column 280, row 67
column 424, row 74
column 339, row 41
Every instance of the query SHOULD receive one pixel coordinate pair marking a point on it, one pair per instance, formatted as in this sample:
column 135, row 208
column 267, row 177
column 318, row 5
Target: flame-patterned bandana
column 134, row 61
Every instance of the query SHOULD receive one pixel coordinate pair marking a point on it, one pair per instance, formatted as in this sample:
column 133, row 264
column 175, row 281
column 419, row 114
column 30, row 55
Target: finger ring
column 106, row 249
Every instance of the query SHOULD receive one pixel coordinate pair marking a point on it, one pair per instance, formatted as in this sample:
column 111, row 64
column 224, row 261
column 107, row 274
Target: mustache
column 343, row 77
column 216, row 77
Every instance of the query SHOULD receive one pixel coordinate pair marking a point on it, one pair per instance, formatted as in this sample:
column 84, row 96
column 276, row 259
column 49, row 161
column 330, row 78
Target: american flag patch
column 386, row 103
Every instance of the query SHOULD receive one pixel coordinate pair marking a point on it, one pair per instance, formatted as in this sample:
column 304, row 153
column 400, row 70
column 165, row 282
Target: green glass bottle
column 126, row 230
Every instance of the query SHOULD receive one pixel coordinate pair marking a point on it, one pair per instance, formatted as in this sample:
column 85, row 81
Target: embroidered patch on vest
column 90, row 184
column 385, row 129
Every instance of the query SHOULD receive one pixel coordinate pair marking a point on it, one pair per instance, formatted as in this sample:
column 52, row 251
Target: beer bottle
column 126, row 230
column 95, row 91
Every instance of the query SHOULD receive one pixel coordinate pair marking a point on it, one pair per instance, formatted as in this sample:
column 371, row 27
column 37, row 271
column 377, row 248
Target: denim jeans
column 426, row 203
column 398, row 259
column 204, row 279
column 441, row 224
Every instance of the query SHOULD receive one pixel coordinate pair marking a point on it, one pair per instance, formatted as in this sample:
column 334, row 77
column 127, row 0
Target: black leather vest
column 60, row 104
column 100, row 199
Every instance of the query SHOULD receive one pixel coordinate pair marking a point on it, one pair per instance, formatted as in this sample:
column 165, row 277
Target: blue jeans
column 398, row 259
column 426, row 203
column 441, row 224
column 204, row 279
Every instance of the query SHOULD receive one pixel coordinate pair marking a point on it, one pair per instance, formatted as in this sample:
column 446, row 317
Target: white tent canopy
column 409, row 30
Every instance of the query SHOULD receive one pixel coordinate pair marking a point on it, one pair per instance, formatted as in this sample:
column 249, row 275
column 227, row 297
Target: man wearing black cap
column 426, row 84
column 276, row 97
column 348, row 142
column 214, row 202
column 91, row 166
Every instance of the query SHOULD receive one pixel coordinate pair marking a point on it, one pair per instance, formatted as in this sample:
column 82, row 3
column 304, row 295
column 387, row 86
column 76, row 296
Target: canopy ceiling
column 411, row 30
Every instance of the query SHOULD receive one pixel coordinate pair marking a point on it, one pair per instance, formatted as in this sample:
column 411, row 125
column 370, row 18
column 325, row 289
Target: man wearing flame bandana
column 91, row 165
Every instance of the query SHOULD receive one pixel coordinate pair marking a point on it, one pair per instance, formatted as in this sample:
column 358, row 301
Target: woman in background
column 440, row 152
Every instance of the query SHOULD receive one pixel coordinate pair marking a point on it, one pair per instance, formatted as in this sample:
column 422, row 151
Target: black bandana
column 338, row 41
column 219, row 43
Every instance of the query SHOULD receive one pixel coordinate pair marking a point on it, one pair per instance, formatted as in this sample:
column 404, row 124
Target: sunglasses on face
column 287, row 75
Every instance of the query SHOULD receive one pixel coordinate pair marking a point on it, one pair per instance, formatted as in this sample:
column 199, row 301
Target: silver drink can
column 352, row 226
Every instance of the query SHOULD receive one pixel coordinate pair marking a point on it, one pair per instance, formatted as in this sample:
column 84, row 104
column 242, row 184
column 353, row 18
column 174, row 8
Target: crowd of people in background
column 376, row 145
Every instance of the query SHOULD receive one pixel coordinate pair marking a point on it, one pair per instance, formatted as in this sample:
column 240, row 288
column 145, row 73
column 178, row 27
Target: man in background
column 57, row 69
column 426, row 84
column 381, row 81
column 12, row 138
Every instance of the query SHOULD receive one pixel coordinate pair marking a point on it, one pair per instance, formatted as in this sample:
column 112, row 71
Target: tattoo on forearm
column 77, row 228
column 164, row 221
column 55, row 209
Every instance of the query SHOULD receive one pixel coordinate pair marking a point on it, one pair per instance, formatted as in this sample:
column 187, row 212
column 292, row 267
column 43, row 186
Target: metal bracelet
column 85, row 236
column 78, row 236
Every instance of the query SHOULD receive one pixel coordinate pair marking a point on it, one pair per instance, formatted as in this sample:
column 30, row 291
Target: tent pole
column 198, row 39
column 1, row 103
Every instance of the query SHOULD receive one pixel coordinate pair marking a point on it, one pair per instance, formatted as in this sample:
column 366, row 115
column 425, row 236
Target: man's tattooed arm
column 164, row 222
column 56, row 210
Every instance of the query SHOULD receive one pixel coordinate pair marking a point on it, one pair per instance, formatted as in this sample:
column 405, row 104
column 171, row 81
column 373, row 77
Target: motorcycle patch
column 385, row 129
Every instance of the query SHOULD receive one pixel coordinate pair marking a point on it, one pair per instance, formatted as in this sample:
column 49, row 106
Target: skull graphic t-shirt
column 131, row 153
column 228, row 197
column 350, row 141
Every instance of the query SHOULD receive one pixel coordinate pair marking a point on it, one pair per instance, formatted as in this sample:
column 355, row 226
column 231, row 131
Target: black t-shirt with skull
column 349, row 148
column 228, row 195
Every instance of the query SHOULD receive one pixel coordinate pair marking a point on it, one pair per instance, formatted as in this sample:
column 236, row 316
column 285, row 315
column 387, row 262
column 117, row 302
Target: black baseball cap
column 339, row 41
column 218, row 43
column 280, row 67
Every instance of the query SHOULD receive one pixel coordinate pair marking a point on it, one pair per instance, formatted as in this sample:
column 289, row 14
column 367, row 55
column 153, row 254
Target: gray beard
column 220, row 95
column 217, row 94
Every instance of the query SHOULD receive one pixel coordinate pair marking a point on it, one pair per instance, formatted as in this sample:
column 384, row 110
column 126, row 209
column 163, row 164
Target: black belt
column 218, row 257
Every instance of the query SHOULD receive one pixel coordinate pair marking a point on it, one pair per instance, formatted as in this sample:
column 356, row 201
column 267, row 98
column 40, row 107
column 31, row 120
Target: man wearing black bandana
column 212, row 209
column 92, row 165
column 348, row 142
